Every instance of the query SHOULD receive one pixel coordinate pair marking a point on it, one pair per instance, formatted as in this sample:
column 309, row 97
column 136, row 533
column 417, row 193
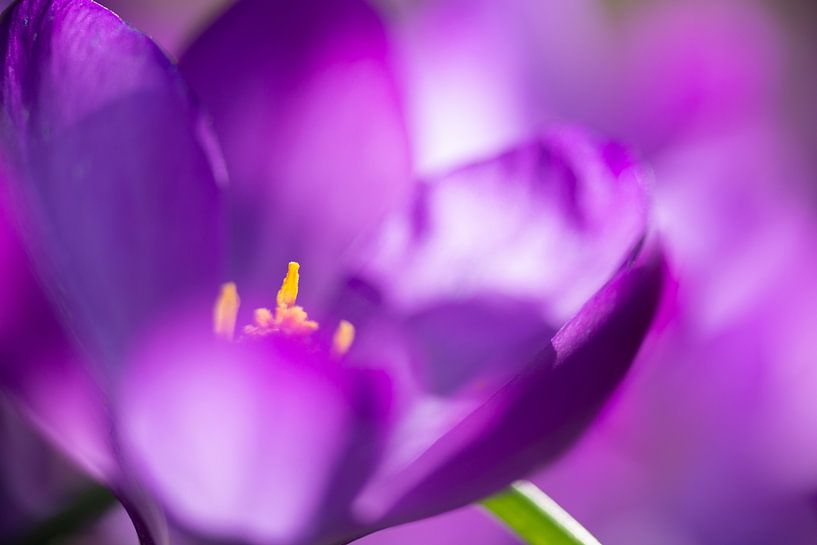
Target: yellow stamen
column 289, row 289
column 226, row 311
column 343, row 338
column 288, row 318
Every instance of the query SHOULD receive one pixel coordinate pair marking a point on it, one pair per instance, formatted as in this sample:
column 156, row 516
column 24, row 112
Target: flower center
column 287, row 319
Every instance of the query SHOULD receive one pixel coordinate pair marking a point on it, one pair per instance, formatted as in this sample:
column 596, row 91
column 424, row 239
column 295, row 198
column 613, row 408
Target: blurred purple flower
column 495, row 308
column 713, row 435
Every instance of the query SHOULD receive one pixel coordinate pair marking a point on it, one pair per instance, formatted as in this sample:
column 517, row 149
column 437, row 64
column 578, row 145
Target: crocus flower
column 448, row 336
column 712, row 438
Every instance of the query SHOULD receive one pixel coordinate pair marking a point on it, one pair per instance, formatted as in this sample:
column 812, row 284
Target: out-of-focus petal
column 60, row 396
column 463, row 292
column 463, row 71
column 39, row 369
column 548, row 222
column 695, row 66
column 535, row 416
column 170, row 24
column 466, row 286
column 468, row 525
column 34, row 479
column 111, row 179
column 303, row 101
column 261, row 441
column 479, row 72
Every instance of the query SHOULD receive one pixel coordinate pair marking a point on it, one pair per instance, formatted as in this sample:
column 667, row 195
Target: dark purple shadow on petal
column 469, row 343
column 365, row 444
column 304, row 103
column 453, row 348
column 542, row 411
column 113, row 187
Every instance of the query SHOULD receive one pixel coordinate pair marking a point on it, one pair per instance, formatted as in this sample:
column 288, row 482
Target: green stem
column 535, row 518
column 81, row 512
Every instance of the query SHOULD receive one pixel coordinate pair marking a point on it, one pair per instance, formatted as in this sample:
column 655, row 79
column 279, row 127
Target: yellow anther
column 287, row 318
column 226, row 311
column 289, row 289
column 343, row 338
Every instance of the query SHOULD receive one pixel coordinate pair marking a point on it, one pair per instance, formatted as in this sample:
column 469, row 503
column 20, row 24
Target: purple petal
column 466, row 89
column 39, row 369
column 472, row 280
column 265, row 442
column 462, row 293
column 34, row 478
column 470, row 525
column 58, row 394
column 548, row 222
column 170, row 24
column 111, row 180
column 305, row 106
column 694, row 66
column 537, row 415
